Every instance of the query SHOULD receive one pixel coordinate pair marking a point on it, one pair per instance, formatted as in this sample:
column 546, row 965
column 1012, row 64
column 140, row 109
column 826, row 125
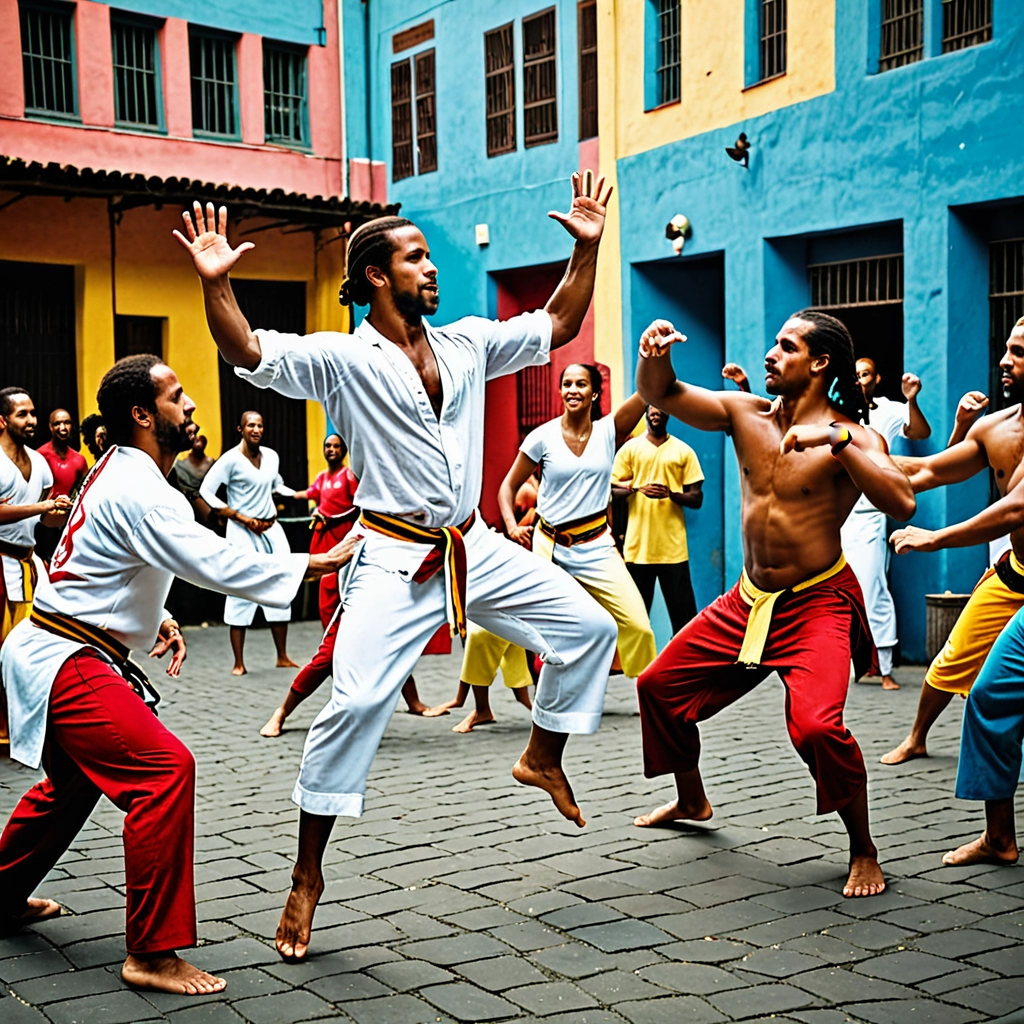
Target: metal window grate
column 47, row 60
column 902, row 33
column 534, row 396
column 135, row 81
column 773, row 38
column 875, row 281
column 213, row 84
column 540, row 80
column 401, row 120
column 1006, row 288
column 668, row 73
column 586, row 31
column 426, row 113
column 284, row 95
column 499, row 68
column 965, row 23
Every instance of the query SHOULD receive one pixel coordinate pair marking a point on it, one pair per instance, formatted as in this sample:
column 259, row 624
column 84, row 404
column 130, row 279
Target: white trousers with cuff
column 387, row 621
column 866, row 547
column 238, row 612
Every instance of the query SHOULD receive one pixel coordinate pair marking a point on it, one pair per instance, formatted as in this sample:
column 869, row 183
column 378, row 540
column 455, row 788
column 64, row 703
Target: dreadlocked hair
column 370, row 245
column 831, row 337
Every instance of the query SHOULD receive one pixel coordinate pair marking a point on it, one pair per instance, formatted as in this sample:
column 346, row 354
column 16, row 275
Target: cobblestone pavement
column 462, row 897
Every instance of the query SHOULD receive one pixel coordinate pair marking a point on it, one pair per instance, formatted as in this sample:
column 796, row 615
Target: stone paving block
column 483, row 917
column 467, row 1002
column 961, row 942
column 551, row 997
column 992, row 997
column 727, row 919
column 458, row 949
column 420, row 926
column 285, row 1008
column 931, row 917
column 12, row 1011
column 323, row 965
column 761, row 999
column 32, row 965
column 348, row 987
column 649, row 905
column 907, row 967
column 1008, row 961
column 779, row 850
column 670, row 1010
column 801, row 899
column 627, row 933
column 583, row 865
column 872, row 934
column 96, row 952
column 779, row 963
column 726, row 890
column 399, row 1009
column 501, row 973
column 695, row 979
column 958, row 979
column 205, row 1013
column 527, row 935
column 827, row 948
column 122, row 1007
column 1005, row 924
column 581, row 914
column 705, row 951
column 68, row 985
column 69, row 928
column 574, row 960
column 411, row 975
column 479, row 877
column 610, row 987
column 84, row 901
column 360, row 933
column 231, row 955
column 841, row 986
column 920, row 1011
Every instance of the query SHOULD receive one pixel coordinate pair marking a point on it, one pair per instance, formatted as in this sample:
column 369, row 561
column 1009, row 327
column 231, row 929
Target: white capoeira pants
column 387, row 620
column 273, row 541
column 867, row 550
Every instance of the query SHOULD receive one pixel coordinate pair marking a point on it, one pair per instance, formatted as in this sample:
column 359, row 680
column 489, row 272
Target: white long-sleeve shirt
column 409, row 462
column 129, row 534
column 249, row 490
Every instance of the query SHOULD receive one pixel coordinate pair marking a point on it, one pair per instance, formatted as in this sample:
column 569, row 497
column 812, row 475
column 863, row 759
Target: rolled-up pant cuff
column 581, row 723
column 333, row 805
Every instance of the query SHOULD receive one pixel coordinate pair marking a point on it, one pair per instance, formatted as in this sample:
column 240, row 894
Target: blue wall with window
column 929, row 157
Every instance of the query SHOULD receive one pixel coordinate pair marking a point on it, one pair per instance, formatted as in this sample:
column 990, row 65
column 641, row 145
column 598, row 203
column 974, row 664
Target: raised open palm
column 585, row 219
column 207, row 241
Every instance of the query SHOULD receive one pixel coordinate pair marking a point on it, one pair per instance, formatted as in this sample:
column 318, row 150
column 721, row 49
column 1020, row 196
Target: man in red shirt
column 68, row 467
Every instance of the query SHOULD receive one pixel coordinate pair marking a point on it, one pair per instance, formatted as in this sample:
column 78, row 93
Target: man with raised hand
column 797, row 609
column 408, row 398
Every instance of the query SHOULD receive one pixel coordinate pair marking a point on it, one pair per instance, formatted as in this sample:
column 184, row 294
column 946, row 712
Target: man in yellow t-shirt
column 660, row 475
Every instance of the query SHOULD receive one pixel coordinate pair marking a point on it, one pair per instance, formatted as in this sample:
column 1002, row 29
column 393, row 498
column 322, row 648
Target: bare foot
column 553, row 781
column 442, row 709
column 981, row 851
column 888, row 683
column 906, row 751
column 474, row 718
column 296, row 925
column 274, row 725
column 673, row 812
column 866, row 878
column 167, row 972
column 35, row 910
column 285, row 662
column 238, row 670
column 416, row 707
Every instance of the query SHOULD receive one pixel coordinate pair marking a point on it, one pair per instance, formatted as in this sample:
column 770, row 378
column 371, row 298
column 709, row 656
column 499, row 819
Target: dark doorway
column 37, row 337
column 275, row 306
column 138, row 335
column 878, row 334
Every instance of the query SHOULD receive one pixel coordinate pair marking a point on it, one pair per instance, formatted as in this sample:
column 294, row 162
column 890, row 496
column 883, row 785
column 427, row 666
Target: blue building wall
column 931, row 154
column 296, row 21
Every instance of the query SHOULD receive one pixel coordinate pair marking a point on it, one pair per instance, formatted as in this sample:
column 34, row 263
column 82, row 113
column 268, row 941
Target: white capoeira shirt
column 19, row 491
column 129, row 534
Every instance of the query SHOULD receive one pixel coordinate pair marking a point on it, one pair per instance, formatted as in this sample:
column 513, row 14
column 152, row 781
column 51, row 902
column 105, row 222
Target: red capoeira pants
column 812, row 637
column 103, row 740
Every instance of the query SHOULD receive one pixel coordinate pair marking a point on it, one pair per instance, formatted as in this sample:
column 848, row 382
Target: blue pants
column 993, row 725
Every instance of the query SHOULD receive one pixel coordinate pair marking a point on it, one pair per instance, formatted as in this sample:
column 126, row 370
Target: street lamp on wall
column 677, row 230
column 741, row 151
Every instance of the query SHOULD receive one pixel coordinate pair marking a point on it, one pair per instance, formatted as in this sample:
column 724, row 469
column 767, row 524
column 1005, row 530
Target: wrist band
column 839, row 437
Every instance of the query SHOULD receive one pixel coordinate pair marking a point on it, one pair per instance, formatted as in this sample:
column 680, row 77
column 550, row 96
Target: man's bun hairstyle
column 370, row 245
column 830, row 337
column 127, row 384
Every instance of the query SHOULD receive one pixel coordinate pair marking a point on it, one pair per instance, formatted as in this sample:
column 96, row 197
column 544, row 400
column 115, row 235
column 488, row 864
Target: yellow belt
column 762, row 604
column 578, row 531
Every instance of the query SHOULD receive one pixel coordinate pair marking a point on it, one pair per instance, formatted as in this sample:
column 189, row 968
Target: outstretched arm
column 950, row 466
column 627, row 416
column 918, row 428
column 213, row 257
column 514, row 479
column 585, row 222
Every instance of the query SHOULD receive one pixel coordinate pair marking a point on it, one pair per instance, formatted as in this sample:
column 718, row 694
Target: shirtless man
column 995, row 441
column 797, row 608
column 408, row 397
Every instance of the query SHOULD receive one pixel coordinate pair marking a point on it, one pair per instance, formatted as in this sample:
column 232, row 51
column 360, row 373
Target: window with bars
column 965, row 23
column 401, row 120
column 902, row 33
column 499, row 70
column 48, row 60
column 214, row 92
column 534, row 396
column 284, row 95
column 1005, row 291
column 586, row 32
column 875, row 281
column 540, row 79
column 668, row 70
column 773, row 38
column 426, row 113
column 136, row 73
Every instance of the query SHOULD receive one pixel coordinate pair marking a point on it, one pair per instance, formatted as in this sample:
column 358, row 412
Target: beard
column 413, row 306
column 173, row 437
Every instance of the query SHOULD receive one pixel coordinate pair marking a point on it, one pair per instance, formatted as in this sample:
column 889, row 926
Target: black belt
column 1008, row 576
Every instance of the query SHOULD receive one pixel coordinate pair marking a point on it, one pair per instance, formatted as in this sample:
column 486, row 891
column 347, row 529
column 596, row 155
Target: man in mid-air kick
column 797, row 609
column 409, row 400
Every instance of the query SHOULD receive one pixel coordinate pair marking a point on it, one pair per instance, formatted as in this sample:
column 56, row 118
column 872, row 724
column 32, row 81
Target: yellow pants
column 485, row 653
column 990, row 608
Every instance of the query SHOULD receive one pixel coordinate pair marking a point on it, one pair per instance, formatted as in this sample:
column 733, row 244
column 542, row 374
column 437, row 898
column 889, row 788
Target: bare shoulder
column 865, row 437
column 988, row 428
column 743, row 402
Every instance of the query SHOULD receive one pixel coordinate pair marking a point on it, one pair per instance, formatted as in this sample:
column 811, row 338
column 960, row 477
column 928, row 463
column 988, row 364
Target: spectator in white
column 251, row 476
column 864, row 533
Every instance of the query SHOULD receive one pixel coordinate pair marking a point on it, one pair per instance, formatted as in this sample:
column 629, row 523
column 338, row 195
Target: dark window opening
column 587, row 35
column 284, row 95
column 965, row 23
column 214, row 98
column 1005, row 302
column 138, row 335
column 499, row 68
column 401, row 120
column 534, row 395
column 426, row 113
column 47, row 60
column 540, row 80
column 902, row 33
column 668, row 72
column 135, row 73
column 773, row 38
